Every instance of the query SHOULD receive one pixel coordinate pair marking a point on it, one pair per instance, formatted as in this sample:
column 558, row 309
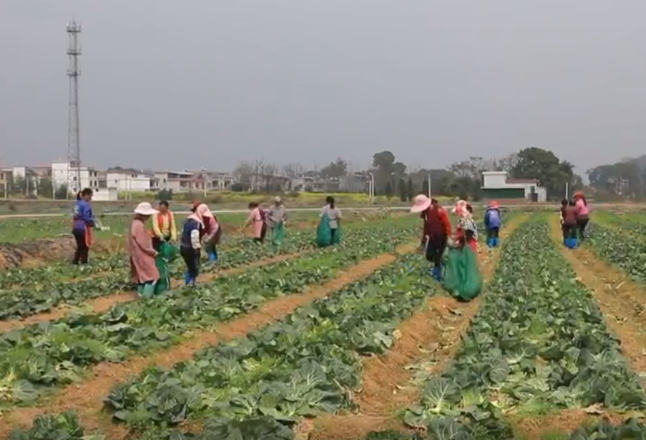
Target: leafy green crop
column 539, row 342
column 49, row 354
column 45, row 293
column 300, row 366
column 64, row 426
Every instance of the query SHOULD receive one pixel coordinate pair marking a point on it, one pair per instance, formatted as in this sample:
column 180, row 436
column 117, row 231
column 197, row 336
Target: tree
column 336, row 169
column 61, row 192
column 410, row 190
column 292, row 170
column 244, row 173
column 45, row 187
column 388, row 190
column 424, row 187
column 546, row 168
column 402, row 190
column 165, row 194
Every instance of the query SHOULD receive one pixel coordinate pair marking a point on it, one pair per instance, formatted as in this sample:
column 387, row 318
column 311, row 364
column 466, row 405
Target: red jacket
column 436, row 223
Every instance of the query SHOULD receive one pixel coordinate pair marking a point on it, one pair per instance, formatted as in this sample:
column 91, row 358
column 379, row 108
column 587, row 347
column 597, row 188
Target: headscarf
column 460, row 209
column 200, row 212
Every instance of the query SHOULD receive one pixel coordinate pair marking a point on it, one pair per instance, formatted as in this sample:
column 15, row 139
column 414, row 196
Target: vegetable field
column 352, row 342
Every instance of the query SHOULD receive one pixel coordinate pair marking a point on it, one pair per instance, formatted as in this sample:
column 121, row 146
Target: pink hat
column 422, row 203
column 494, row 204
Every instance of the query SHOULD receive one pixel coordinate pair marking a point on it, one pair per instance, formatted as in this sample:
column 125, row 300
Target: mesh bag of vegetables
column 462, row 276
column 167, row 253
column 323, row 232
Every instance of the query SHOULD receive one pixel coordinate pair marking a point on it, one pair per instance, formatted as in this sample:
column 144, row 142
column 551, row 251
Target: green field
column 351, row 342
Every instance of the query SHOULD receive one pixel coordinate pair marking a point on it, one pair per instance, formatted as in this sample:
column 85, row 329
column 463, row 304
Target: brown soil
column 432, row 333
column 561, row 422
column 103, row 303
column 86, row 398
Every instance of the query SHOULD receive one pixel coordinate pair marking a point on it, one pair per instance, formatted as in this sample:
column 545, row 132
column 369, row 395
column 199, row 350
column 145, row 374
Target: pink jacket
column 142, row 254
column 256, row 220
column 581, row 209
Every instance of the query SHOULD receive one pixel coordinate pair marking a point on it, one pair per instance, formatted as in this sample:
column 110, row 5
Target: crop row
column 48, row 354
column 620, row 249
column 539, row 342
column 67, row 426
column 31, row 300
column 300, row 366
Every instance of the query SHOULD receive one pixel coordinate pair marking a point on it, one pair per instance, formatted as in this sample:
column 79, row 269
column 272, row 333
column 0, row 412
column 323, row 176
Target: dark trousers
column 569, row 231
column 435, row 249
column 492, row 233
column 82, row 250
column 581, row 224
column 192, row 259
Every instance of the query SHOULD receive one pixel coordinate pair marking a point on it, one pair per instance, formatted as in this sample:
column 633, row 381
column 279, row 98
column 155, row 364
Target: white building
column 496, row 185
column 129, row 180
column 65, row 174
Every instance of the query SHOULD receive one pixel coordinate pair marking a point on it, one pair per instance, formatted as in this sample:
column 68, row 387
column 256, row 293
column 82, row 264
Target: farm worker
column 211, row 233
column 143, row 268
column 467, row 231
column 437, row 230
column 570, row 221
column 493, row 222
column 332, row 215
column 257, row 219
column 83, row 222
column 164, row 228
column 276, row 220
column 582, row 213
column 191, row 244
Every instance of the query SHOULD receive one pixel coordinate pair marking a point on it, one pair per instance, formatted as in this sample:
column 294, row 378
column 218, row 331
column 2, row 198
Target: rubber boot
column 490, row 242
column 496, row 242
column 213, row 257
column 439, row 274
column 189, row 280
column 436, row 273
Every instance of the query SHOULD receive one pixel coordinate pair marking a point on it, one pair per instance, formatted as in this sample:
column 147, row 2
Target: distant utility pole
column 73, row 132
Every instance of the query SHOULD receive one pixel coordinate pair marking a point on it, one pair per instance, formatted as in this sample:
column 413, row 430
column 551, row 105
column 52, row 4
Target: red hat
column 196, row 203
column 494, row 204
column 578, row 194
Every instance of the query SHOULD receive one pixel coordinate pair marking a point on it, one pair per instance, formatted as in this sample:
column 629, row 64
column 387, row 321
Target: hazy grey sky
column 207, row 83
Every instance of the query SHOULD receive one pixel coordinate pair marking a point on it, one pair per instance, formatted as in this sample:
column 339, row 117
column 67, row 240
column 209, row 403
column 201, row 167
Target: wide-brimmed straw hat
column 145, row 208
column 421, row 204
column 277, row 199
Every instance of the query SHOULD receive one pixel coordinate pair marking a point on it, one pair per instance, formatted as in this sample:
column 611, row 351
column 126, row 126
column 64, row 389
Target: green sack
column 323, row 232
column 462, row 276
column 147, row 290
column 167, row 253
column 278, row 234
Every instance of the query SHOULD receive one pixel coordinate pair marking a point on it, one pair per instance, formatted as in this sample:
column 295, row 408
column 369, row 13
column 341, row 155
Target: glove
column 450, row 242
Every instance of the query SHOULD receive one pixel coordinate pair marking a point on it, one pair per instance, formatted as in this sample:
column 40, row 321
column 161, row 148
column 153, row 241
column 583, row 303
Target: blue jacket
column 83, row 216
column 492, row 218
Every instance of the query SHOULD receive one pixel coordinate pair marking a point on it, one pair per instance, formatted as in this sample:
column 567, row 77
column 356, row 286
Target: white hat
column 277, row 199
column 145, row 208
column 421, row 204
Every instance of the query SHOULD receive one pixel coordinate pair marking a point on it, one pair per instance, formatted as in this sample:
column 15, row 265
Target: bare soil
column 86, row 397
column 430, row 334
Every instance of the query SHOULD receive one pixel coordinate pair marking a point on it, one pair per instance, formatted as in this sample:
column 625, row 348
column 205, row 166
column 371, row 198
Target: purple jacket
column 82, row 216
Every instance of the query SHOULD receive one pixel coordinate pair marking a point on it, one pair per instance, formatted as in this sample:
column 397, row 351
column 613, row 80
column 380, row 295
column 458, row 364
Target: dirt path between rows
column 623, row 302
column 103, row 303
column 432, row 333
column 86, row 397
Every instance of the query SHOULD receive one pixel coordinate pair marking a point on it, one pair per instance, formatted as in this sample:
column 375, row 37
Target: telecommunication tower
column 73, row 136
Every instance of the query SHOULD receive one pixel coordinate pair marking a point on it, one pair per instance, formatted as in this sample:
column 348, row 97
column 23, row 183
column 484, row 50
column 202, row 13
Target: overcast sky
column 206, row 83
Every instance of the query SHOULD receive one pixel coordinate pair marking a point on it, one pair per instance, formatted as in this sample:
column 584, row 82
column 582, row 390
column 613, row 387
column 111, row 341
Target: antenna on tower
column 73, row 136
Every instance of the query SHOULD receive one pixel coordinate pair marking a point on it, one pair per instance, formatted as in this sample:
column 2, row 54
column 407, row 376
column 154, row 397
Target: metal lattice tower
column 73, row 136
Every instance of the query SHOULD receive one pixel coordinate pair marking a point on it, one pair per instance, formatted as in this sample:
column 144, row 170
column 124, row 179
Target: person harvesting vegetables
column 191, row 244
column 143, row 268
column 164, row 228
column 467, row 231
column 276, row 220
column 570, row 221
column 256, row 218
column 493, row 223
column 582, row 213
column 82, row 225
column 329, row 229
column 211, row 232
column 436, row 231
